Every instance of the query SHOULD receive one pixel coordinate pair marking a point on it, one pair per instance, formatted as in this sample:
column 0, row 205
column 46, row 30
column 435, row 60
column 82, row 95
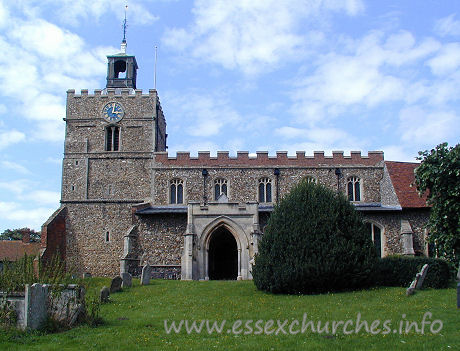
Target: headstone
column 418, row 281
column 422, row 277
column 458, row 273
column 115, row 285
column 86, row 275
column 104, row 294
column 146, row 274
column 127, row 280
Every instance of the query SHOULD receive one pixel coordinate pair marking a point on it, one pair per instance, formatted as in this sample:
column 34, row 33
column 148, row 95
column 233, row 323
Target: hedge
column 400, row 271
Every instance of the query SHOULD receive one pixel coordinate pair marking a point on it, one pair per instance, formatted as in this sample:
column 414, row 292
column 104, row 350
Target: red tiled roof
column 403, row 179
column 12, row 250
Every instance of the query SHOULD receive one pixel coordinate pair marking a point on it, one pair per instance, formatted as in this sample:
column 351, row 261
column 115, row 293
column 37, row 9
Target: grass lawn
column 134, row 319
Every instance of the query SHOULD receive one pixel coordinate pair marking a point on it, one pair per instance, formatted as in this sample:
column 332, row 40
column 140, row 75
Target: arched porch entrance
column 222, row 255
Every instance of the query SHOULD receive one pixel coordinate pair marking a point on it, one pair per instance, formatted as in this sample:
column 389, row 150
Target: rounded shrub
column 314, row 242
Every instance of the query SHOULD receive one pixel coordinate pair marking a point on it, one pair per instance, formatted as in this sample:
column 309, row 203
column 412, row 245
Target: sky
column 240, row 75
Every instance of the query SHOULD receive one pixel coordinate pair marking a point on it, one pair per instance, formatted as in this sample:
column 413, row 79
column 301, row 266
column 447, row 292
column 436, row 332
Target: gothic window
column 376, row 235
column 265, row 190
column 107, row 237
column 176, row 191
column 354, row 189
column 311, row 179
column 220, row 187
column 112, row 138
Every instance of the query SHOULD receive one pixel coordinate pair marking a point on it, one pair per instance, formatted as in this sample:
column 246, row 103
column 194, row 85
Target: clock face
column 113, row 112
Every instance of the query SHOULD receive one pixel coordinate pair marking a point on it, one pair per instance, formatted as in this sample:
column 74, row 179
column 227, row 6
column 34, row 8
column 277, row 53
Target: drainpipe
column 204, row 172
column 276, row 172
column 338, row 173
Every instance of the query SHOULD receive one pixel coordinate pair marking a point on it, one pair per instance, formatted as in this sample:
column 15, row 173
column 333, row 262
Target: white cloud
column 10, row 137
column 39, row 63
column 73, row 12
column 251, row 35
column 16, row 167
column 399, row 153
column 4, row 14
column 22, row 217
column 44, row 197
column 17, row 186
column 332, row 138
column 448, row 26
column 203, row 115
column 368, row 72
column 428, row 128
column 447, row 60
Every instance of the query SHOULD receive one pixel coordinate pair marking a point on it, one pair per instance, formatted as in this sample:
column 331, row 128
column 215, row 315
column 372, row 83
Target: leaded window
column 265, row 190
column 220, row 187
column 176, row 191
column 354, row 189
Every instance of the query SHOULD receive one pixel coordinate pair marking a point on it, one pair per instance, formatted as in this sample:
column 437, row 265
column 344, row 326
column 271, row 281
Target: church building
column 125, row 202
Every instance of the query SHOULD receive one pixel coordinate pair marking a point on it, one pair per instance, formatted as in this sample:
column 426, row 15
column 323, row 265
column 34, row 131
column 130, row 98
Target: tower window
column 112, row 138
column 176, row 191
column 354, row 189
column 265, row 190
column 220, row 187
column 107, row 237
column 120, row 69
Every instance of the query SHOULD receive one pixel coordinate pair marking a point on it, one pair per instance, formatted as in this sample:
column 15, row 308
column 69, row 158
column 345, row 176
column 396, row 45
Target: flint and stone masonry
column 126, row 203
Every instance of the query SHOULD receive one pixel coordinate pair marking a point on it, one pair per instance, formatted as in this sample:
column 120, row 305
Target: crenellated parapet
column 111, row 93
column 263, row 159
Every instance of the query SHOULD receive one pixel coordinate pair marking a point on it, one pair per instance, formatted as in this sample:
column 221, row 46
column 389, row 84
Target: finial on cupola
column 123, row 42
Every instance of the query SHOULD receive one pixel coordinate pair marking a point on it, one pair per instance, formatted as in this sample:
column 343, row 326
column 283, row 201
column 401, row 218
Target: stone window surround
column 120, row 133
column 355, row 179
column 184, row 193
column 221, row 181
column 310, row 179
column 265, row 181
column 382, row 235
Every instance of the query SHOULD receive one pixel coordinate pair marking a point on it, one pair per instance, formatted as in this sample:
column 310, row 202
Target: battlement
column 112, row 92
column 262, row 158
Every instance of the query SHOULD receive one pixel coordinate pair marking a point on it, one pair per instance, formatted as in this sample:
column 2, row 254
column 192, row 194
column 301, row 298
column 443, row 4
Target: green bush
column 314, row 242
column 17, row 274
column 400, row 271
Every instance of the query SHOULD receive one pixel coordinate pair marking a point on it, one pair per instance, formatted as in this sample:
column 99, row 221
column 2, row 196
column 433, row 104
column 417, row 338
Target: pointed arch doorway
column 222, row 255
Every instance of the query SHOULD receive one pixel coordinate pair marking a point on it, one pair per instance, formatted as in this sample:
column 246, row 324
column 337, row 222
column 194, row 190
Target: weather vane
column 125, row 26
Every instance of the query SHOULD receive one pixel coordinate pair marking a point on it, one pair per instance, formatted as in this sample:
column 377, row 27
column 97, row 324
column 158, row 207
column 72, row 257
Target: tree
column 315, row 242
column 17, row 234
column 438, row 177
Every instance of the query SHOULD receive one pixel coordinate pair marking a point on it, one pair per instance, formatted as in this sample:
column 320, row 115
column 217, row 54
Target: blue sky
column 232, row 75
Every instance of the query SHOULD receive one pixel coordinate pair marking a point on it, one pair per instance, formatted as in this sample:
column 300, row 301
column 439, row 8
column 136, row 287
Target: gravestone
column 146, row 274
column 104, row 294
column 458, row 273
column 115, row 285
column 411, row 289
column 86, row 275
column 422, row 277
column 418, row 281
column 127, row 280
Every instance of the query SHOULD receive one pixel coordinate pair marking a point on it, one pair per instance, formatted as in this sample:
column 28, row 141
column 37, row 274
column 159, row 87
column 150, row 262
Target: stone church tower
column 125, row 202
column 110, row 139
